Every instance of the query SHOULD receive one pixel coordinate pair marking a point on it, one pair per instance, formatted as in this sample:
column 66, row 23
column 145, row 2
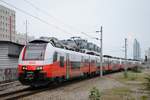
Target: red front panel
column 52, row 70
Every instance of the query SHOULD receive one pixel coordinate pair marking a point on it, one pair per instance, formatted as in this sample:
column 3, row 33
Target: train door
column 89, row 65
column 109, row 63
column 67, row 66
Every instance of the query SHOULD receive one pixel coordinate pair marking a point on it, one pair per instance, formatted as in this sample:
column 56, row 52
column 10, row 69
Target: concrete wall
column 9, row 53
column 8, row 74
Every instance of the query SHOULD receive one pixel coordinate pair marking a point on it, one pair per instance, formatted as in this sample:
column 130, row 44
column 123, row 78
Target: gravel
column 76, row 91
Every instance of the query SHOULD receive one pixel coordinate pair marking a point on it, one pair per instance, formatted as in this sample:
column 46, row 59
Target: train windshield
column 35, row 51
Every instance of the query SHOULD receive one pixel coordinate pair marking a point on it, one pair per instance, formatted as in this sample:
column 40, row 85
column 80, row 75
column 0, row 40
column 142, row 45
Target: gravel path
column 76, row 91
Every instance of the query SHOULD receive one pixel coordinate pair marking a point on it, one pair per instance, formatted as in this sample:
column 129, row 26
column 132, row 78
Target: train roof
column 39, row 41
column 57, row 44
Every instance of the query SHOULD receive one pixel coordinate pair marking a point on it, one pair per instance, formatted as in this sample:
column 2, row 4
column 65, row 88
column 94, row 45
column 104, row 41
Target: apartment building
column 7, row 24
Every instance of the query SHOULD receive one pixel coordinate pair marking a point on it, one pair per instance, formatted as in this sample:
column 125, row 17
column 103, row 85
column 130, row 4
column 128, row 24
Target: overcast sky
column 120, row 19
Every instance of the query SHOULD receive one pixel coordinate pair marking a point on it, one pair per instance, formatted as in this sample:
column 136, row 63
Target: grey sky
column 120, row 19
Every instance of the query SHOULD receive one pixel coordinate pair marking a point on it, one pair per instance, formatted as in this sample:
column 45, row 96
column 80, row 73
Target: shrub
column 125, row 74
column 133, row 78
column 94, row 94
column 147, row 83
column 136, row 69
column 144, row 97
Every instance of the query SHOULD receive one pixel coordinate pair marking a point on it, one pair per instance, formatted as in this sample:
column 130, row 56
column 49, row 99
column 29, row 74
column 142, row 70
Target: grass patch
column 144, row 97
column 120, row 90
column 117, row 93
column 147, row 83
column 137, row 69
column 132, row 76
column 133, row 81
column 122, row 93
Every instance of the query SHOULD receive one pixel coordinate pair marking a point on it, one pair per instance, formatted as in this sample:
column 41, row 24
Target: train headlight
column 39, row 68
column 24, row 67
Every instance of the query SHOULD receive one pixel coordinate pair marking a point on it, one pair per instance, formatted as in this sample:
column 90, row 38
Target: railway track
column 13, row 95
column 28, row 91
column 5, row 86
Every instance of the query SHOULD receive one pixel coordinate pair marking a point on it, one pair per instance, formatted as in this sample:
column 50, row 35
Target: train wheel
column 34, row 85
column 58, row 80
column 43, row 84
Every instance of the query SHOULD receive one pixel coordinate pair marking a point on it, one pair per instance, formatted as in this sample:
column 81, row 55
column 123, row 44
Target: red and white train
column 41, row 63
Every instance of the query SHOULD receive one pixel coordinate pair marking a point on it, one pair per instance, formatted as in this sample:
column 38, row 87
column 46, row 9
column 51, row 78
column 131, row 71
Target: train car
column 107, row 63
column 41, row 63
column 115, row 63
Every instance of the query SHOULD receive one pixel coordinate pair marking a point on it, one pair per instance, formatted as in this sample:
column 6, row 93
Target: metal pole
column 125, row 54
column 26, row 33
column 101, row 55
column 101, row 51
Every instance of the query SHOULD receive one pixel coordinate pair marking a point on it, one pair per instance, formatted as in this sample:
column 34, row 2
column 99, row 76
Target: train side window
column 55, row 56
column 85, row 62
column 93, row 61
column 75, row 65
column 61, row 61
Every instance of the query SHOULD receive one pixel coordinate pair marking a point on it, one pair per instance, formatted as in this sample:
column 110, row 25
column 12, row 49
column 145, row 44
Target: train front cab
column 36, row 63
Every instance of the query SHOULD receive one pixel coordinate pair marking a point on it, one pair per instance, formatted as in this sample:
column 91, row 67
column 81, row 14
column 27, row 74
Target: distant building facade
column 7, row 24
column 20, row 38
column 9, row 53
column 136, row 50
column 147, row 55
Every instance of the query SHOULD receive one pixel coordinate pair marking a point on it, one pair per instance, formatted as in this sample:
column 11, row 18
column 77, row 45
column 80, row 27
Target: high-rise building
column 147, row 55
column 7, row 24
column 136, row 50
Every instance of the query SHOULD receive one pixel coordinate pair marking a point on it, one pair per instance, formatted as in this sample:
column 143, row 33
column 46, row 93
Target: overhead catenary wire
column 88, row 35
column 32, row 4
column 35, row 17
column 43, row 21
column 50, row 15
